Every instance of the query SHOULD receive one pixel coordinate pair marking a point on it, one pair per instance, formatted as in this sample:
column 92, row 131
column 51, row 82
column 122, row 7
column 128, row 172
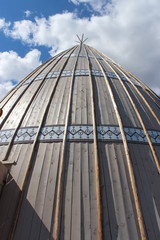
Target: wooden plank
column 85, row 205
column 61, row 107
column 3, row 150
column 143, row 167
column 104, row 106
column 59, row 65
column 19, row 97
column 68, row 193
column 95, row 150
column 128, row 113
column 110, row 224
column 81, row 104
column 23, row 163
column 148, row 91
column 146, row 115
column 31, row 157
column 20, row 107
column 118, row 197
column 150, row 101
column 88, row 108
column 10, row 198
column 14, row 90
column 76, row 193
column 24, row 224
column 40, row 103
column 17, row 152
column 141, row 121
column 8, row 203
column 41, row 195
column 47, row 220
column 152, row 94
column 61, row 169
column 129, row 220
column 93, row 194
column 27, row 121
column 27, row 107
column 70, row 63
column 81, row 63
column 130, row 169
column 74, row 106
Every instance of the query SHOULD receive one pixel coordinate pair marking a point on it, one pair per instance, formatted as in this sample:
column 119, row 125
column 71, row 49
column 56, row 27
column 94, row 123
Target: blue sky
column 20, row 10
column 33, row 31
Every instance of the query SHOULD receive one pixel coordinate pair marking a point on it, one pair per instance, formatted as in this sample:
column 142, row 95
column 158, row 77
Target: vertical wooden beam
column 139, row 117
column 143, row 85
column 31, row 155
column 137, row 90
column 148, row 91
column 62, row 159
column 29, row 104
column 19, row 97
column 95, row 152
column 129, row 164
column 13, row 90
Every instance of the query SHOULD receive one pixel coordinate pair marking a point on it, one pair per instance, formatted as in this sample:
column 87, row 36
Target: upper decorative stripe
column 79, row 72
column 68, row 73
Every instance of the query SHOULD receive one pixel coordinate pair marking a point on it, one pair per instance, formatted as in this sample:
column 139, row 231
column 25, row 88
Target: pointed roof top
column 82, row 40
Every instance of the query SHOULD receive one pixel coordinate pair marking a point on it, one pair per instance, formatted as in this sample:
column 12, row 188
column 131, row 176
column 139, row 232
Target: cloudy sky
column 128, row 31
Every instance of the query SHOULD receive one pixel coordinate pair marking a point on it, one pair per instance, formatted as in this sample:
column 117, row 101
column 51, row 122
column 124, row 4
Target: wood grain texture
column 88, row 186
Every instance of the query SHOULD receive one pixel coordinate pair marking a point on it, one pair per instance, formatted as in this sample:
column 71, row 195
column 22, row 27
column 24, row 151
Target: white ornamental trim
column 78, row 133
column 79, row 72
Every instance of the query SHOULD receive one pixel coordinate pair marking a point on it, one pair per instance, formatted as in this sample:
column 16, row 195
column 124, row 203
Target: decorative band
column 68, row 73
column 78, row 133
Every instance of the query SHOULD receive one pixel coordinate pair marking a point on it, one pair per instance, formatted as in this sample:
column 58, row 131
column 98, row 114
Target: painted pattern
column 78, row 132
column 68, row 73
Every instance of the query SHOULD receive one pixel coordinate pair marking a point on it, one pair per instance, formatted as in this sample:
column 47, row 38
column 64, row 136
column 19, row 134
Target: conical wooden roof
column 80, row 138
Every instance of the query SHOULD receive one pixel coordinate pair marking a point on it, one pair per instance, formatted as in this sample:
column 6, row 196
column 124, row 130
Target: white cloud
column 21, row 30
column 96, row 5
column 14, row 67
column 4, row 24
column 5, row 87
column 27, row 13
column 128, row 32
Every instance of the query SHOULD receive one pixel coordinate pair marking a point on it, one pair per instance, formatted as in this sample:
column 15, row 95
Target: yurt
column 80, row 152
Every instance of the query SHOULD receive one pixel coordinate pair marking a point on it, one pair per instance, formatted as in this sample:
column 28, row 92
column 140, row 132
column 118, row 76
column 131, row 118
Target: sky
column 128, row 31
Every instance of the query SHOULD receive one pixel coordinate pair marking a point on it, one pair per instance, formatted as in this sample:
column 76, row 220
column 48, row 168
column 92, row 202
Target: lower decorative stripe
column 78, row 133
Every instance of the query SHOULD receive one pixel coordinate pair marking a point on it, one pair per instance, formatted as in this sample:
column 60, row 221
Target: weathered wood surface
column 100, row 178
